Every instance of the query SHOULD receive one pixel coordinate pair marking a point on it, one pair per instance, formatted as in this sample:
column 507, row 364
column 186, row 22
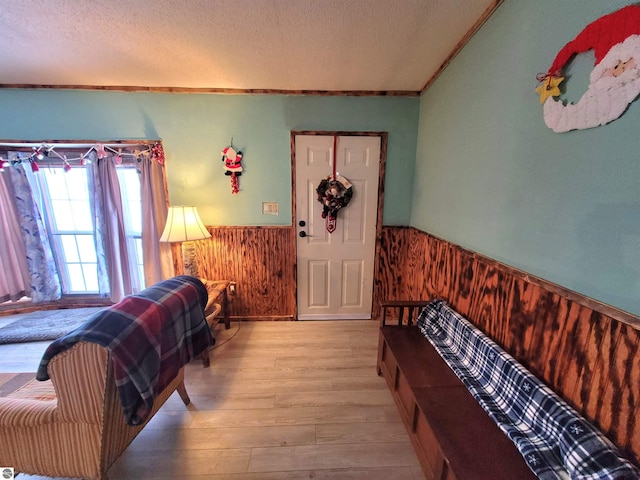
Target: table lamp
column 184, row 226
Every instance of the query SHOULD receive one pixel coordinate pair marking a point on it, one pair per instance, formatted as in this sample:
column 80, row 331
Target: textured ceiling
column 336, row 45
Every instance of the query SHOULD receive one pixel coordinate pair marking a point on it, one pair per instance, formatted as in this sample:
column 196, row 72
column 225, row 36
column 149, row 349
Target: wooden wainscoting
column 391, row 264
column 261, row 260
column 584, row 350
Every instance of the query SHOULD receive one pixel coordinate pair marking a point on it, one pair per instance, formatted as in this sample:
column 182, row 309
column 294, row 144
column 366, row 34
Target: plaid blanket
column 150, row 337
column 555, row 441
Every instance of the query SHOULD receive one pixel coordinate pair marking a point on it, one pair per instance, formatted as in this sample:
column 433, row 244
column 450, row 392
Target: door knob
column 303, row 234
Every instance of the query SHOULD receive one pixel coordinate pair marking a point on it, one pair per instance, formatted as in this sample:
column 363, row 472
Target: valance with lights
column 50, row 153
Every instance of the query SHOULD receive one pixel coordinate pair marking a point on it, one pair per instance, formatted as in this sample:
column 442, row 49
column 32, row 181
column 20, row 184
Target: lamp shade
column 183, row 225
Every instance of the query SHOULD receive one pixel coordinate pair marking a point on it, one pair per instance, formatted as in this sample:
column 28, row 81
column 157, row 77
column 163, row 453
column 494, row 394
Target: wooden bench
column 452, row 435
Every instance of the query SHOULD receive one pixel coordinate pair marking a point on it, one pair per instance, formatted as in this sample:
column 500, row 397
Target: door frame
column 381, row 174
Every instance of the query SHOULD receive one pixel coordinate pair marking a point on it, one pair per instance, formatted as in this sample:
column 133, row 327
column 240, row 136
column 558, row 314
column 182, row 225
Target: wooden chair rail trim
column 595, row 305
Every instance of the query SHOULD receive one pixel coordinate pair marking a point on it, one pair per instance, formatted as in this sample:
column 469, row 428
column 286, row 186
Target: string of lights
column 47, row 152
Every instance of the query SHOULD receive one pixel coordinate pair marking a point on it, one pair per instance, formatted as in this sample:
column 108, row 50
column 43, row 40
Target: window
column 66, row 206
column 68, row 218
column 84, row 234
column 130, row 191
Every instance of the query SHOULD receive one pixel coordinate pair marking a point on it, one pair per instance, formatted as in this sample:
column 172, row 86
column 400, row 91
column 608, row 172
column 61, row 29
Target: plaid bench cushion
column 555, row 441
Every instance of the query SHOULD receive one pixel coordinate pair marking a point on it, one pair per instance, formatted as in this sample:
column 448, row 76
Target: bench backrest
column 553, row 438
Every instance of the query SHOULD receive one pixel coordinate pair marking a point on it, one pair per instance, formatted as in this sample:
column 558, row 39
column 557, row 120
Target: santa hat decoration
column 615, row 41
column 599, row 36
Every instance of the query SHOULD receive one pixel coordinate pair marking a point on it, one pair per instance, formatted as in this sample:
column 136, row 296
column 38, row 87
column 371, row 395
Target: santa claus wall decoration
column 614, row 81
column 233, row 167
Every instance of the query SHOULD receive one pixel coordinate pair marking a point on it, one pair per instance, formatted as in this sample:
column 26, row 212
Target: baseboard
column 263, row 318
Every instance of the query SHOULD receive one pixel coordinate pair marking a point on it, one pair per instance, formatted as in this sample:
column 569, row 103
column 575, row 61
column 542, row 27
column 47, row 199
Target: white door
column 335, row 270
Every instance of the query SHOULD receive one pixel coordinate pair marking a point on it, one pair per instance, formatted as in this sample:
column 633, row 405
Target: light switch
column 270, row 208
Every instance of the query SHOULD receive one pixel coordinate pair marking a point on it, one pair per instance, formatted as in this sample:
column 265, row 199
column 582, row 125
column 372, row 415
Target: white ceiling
column 335, row 45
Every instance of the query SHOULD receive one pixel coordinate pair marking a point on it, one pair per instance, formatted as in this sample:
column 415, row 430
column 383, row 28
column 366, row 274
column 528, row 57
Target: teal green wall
column 490, row 176
column 486, row 172
column 196, row 127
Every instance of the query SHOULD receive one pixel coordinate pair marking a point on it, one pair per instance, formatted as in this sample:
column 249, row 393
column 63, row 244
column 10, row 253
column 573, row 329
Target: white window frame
column 61, row 257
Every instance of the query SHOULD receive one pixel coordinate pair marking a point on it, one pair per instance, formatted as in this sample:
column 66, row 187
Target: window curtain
column 158, row 260
column 111, row 239
column 97, row 206
column 33, row 244
column 14, row 273
column 114, row 265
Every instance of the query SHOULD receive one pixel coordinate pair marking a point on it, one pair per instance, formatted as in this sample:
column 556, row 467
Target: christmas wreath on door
column 334, row 193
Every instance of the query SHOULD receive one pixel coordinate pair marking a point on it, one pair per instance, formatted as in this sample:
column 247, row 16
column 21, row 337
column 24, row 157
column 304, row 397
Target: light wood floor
column 281, row 400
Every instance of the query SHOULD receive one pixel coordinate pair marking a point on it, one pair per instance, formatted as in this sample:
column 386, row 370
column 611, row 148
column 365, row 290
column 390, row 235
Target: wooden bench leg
column 182, row 391
column 205, row 358
column 225, row 310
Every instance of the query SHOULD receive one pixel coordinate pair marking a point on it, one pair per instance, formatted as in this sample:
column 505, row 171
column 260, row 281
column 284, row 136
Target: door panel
column 352, row 277
column 319, row 282
column 335, row 270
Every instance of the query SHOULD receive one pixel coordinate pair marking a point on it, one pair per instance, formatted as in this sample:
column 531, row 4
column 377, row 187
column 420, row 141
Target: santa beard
column 607, row 97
